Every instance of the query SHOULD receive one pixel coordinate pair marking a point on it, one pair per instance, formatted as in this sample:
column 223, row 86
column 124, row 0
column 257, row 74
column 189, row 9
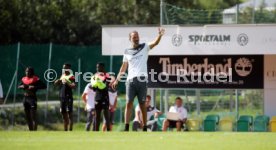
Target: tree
column 79, row 22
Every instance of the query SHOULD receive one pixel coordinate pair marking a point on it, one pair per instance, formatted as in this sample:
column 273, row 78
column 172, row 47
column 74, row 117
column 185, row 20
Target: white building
column 230, row 14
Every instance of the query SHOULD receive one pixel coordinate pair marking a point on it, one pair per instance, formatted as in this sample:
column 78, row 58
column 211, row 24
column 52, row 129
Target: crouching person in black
column 100, row 83
column 30, row 84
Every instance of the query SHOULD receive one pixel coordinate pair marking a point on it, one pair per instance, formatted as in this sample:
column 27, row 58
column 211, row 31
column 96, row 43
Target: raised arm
column 121, row 72
column 161, row 32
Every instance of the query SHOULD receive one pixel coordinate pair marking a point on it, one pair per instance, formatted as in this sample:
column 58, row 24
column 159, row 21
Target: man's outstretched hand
column 161, row 31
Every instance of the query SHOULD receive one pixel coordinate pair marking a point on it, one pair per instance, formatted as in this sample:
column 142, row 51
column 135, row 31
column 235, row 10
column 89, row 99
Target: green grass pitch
column 58, row 140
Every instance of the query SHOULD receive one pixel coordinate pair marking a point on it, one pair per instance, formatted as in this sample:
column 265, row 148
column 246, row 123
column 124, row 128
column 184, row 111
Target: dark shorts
column 102, row 104
column 66, row 104
column 111, row 118
column 30, row 103
column 136, row 87
column 173, row 124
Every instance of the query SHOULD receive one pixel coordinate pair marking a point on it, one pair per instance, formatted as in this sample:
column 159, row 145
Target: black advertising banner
column 206, row 71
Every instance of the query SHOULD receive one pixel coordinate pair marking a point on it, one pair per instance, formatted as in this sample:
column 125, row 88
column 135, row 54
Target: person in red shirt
column 30, row 84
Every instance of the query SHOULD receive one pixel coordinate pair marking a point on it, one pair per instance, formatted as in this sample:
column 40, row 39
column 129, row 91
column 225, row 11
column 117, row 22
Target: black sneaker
column 126, row 127
column 145, row 128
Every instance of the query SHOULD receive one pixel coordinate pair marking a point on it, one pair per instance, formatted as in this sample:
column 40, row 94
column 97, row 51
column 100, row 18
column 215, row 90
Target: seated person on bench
column 176, row 117
column 152, row 114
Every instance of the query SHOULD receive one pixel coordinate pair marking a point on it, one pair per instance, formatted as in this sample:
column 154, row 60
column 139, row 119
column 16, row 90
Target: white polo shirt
column 180, row 110
column 150, row 112
column 90, row 97
column 137, row 61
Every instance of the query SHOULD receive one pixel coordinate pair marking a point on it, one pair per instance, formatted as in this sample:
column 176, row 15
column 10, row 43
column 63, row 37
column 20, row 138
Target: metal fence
column 250, row 12
column 16, row 57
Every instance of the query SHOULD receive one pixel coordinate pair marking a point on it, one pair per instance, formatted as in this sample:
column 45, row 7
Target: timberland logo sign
column 209, row 39
column 206, row 71
column 243, row 67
